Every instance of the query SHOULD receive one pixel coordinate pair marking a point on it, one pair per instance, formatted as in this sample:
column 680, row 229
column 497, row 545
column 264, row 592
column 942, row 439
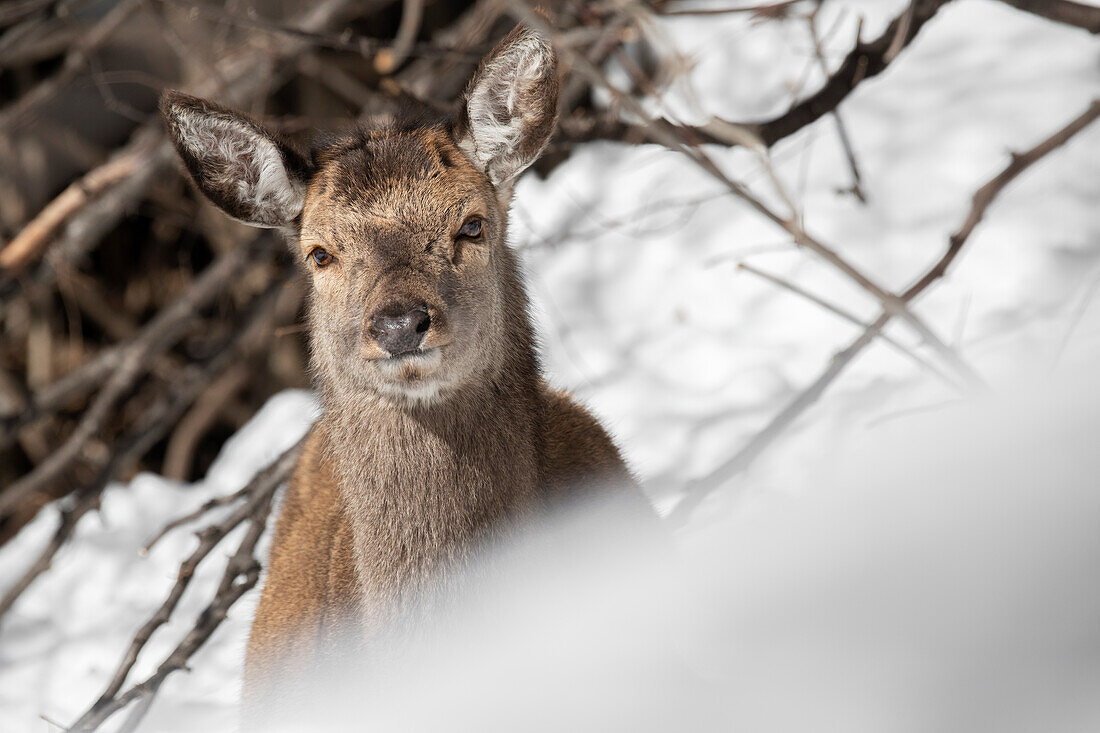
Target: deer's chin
column 414, row 377
column 420, row 394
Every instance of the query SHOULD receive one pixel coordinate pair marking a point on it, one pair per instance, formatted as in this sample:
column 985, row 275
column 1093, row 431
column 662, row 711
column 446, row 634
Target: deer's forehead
column 419, row 179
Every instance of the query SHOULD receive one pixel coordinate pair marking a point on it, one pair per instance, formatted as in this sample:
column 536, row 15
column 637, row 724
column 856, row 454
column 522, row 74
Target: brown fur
column 415, row 461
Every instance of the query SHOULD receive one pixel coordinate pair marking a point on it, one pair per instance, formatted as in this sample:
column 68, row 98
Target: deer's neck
column 423, row 485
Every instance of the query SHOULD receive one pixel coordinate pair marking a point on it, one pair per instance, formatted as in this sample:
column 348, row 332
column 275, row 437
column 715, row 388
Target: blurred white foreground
column 939, row 576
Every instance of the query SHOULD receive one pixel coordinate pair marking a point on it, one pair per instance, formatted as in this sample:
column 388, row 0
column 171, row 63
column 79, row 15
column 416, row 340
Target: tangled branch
column 697, row 490
column 240, row 575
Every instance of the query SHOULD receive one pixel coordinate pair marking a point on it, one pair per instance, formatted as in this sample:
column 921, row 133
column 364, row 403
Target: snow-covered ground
column 890, row 553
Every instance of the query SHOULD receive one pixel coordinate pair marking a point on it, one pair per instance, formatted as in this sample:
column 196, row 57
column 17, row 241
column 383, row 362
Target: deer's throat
column 424, row 489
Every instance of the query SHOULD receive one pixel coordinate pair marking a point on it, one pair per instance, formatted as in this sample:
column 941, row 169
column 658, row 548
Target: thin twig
column 850, row 318
column 987, row 193
column 207, row 507
column 695, row 491
column 763, row 10
column 901, row 34
column 841, row 128
column 864, row 61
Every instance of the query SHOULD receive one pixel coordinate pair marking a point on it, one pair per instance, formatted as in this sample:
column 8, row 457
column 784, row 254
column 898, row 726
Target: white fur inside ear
column 494, row 108
column 238, row 159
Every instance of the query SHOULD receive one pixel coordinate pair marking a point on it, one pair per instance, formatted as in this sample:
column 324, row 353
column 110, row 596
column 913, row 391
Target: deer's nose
column 399, row 327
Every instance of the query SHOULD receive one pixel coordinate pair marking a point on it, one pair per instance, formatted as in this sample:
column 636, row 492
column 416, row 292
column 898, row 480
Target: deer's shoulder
column 575, row 447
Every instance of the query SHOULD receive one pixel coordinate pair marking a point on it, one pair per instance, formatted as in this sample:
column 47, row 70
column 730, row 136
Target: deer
column 438, row 429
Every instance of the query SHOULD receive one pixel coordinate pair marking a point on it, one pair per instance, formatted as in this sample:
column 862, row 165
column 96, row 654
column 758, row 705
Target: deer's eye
column 320, row 257
column 471, row 229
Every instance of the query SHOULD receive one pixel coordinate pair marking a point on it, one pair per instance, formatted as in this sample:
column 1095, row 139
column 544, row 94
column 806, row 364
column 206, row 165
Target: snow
column 889, row 551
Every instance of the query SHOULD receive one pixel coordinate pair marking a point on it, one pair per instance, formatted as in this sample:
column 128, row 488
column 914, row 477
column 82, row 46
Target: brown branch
column 766, row 10
column 70, row 515
column 426, row 80
column 247, row 75
column 36, row 39
column 365, row 46
column 89, row 225
column 1062, row 11
column 241, row 574
column 696, row 490
column 866, row 60
column 207, row 507
column 194, row 424
column 36, row 234
column 259, row 491
column 17, row 10
column 135, row 444
column 125, row 365
column 988, row 193
column 841, row 128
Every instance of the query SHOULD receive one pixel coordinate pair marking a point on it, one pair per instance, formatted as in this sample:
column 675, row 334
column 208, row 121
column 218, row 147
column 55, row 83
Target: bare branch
column 246, row 75
column 1062, row 11
column 193, row 425
column 69, row 517
column 36, row 234
column 125, row 365
column 845, row 315
column 259, row 491
column 150, row 428
column 241, row 574
column 841, row 128
column 864, row 61
column 670, row 137
column 764, row 10
column 988, row 193
column 696, row 490
column 17, row 10
column 365, row 46
column 207, row 507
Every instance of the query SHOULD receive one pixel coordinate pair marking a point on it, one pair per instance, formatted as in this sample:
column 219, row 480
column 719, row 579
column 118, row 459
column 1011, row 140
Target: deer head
column 401, row 230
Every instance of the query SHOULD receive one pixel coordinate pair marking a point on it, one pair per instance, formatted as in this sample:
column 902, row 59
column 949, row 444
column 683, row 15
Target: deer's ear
column 510, row 107
column 245, row 170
